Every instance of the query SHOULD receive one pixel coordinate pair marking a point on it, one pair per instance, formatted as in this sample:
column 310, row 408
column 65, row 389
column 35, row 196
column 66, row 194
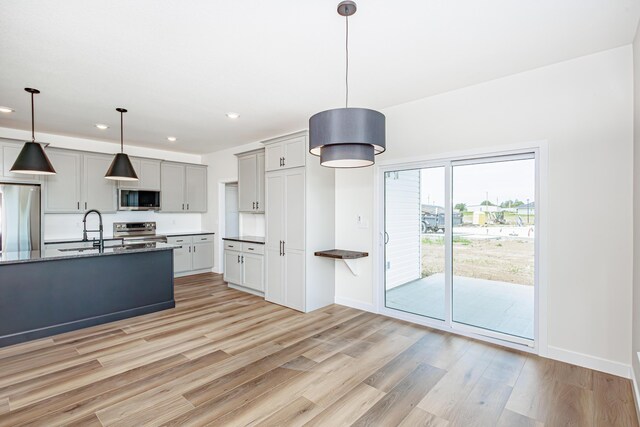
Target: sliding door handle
column 386, row 237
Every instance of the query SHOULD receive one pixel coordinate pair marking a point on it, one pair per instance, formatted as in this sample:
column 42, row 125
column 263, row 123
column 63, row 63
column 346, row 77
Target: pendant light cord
column 33, row 132
column 346, row 76
column 121, row 133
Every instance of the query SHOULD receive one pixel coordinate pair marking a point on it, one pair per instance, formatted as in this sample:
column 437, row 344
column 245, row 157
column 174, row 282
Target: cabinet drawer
column 180, row 240
column 253, row 248
column 205, row 238
column 234, row 246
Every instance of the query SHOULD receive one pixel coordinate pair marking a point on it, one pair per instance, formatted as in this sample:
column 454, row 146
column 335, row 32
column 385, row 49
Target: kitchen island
column 43, row 293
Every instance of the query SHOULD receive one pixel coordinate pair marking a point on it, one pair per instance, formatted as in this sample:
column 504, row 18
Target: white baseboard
column 356, row 304
column 591, row 362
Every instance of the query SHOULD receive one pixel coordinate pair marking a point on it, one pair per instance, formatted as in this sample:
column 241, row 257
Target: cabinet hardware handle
column 250, row 249
column 189, row 249
column 183, row 206
column 85, row 205
column 283, row 248
column 257, row 205
column 204, row 238
column 178, row 241
column 238, row 258
column 187, row 206
column 78, row 205
column 194, row 249
column 230, row 246
column 242, row 259
column 284, row 161
column 254, row 205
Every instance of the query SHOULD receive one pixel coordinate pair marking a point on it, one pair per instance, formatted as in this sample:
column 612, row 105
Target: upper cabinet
column 183, row 187
column 285, row 152
column 251, row 167
column 148, row 171
column 79, row 183
column 8, row 154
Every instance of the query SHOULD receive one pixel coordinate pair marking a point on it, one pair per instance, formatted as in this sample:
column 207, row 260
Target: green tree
column 461, row 207
column 487, row 203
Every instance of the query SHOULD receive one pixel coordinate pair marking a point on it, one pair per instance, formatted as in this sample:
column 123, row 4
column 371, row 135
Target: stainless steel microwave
column 138, row 200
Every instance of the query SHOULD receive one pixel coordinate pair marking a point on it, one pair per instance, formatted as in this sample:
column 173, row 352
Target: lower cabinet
column 194, row 255
column 244, row 265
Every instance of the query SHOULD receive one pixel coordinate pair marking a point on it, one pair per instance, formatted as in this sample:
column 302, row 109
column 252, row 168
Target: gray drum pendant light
column 121, row 168
column 347, row 137
column 32, row 158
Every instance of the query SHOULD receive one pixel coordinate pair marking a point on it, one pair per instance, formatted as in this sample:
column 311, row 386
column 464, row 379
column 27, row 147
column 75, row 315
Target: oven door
column 138, row 200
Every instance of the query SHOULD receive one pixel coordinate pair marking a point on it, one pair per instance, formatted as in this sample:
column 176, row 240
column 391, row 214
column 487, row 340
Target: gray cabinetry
column 183, row 187
column 79, row 183
column 251, row 168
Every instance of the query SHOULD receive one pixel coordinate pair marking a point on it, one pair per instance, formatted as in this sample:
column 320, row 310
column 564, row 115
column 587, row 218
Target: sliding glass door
column 460, row 244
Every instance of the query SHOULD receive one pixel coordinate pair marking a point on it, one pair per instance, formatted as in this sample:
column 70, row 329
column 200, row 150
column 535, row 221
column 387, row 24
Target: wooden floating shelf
column 349, row 257
column 342, row 254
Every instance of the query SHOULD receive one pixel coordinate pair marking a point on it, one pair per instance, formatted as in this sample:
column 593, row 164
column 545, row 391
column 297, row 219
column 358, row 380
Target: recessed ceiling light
column 232, row 115
column 172, row 138
column 102, row 126
column 6, row 110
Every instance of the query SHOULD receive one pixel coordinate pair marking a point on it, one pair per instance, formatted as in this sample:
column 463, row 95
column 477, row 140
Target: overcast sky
column 501, row 180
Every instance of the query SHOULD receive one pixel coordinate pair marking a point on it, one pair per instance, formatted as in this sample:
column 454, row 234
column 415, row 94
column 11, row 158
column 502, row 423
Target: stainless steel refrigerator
column 19, row 217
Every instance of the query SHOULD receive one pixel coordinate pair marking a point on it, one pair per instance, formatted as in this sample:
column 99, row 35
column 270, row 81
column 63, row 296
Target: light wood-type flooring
column 222, row 357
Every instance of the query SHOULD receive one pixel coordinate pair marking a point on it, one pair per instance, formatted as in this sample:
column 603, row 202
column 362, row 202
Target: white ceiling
column 179, row 66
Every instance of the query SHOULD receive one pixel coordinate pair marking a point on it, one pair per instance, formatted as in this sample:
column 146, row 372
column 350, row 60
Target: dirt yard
column 508, row 259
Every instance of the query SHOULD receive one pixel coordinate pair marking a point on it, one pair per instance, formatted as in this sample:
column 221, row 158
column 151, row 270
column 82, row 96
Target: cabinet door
column 274, row 218
column 294, row 211
column 202, row 255
column 273, row 154
column 196, row 188
column 181, row 256
column 260, row 183
column 247, row 180
column 149, row 172
column 9, row 155
column 295, row 151
column 132, row 184
column 274, row 276
column 253, row 272
column 97, row 191
column 232, row 267
column 62, row 190
column 294, row 279
column 172, row 197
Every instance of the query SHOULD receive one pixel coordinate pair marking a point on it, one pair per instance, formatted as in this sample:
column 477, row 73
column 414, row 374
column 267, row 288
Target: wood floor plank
column 223, row 357
column 458, row 382
column 483, row 406
column 399, row 401
column 420, row 418
column 346, row 411
column 613, row 401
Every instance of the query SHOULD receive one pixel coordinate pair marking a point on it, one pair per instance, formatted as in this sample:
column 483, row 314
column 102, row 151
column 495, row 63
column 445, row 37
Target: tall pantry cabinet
column 300, row 220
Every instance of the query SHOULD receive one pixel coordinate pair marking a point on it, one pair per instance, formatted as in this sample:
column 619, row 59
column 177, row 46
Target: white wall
column 57, row 226
column 223, row 167
column 583, row 108
column 636, row 209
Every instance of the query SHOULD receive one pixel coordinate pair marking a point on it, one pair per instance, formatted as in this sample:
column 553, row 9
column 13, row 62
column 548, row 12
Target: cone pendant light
column 347, row 137
column 121, row 168
column 32, row 158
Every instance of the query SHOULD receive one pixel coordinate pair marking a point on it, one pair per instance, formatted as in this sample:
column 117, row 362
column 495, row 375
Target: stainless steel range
column 137, row 232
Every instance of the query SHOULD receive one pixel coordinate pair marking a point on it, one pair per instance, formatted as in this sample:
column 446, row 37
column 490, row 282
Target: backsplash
column 252, row 224
column 57, row 226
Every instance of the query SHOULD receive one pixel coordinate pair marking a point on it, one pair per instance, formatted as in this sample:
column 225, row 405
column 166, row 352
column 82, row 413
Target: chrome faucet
column 100, row 243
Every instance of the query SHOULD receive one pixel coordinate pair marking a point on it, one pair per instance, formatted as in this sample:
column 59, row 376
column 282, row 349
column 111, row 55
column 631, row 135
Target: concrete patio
column 489, row 304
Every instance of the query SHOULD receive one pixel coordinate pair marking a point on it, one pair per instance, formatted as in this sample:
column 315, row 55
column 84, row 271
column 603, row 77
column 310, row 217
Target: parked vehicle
column 434, row 223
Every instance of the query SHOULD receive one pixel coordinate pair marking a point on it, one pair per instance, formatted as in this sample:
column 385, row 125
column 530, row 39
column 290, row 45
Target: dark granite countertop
column 81, row 251
column 76, row 240
column 247, row 239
